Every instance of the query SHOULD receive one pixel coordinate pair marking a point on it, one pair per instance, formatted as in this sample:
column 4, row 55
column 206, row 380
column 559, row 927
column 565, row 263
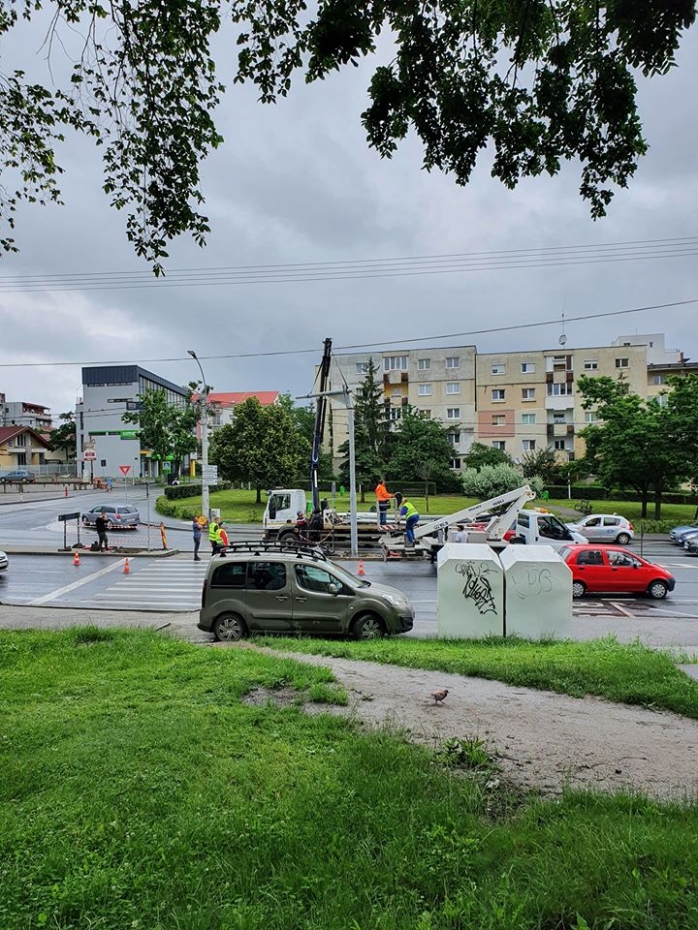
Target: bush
column 177, row 492
column 595, row 492
column 493, row 480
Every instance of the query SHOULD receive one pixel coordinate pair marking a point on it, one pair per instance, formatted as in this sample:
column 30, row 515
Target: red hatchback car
column 614, row 570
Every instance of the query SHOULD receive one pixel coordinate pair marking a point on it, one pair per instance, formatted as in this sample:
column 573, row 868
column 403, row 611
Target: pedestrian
column 224, row 538
column 214, row 535
column 196, row 533
column 383, row 495
column 101, row 524
column 411, row 515
column 461, row 535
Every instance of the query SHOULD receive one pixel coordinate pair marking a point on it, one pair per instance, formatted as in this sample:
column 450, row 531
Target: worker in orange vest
column 383, row 495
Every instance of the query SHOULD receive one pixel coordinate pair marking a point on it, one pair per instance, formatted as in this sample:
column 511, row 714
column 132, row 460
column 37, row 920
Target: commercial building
column 518, row 402
column 106, row 445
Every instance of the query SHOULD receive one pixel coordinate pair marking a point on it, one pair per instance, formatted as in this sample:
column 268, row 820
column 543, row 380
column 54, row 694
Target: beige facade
column 517, row 401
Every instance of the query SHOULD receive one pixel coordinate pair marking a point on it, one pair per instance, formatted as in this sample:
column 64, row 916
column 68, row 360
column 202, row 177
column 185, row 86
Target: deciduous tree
column 166, row 429
column 63, row 437
column 535, row 83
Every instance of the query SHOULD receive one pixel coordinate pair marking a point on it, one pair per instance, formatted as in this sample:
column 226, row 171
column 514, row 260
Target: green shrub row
column 177, row 492
column 594, row 492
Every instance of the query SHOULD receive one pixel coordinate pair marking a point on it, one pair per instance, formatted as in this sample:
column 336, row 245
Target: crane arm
column 319, row 428
column 496, row 529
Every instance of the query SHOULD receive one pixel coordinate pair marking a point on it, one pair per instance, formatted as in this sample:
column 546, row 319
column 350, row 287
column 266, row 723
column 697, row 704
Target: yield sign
column 124, row 469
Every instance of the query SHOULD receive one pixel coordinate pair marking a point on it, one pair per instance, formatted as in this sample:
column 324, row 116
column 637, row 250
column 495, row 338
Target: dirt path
column 541, row 740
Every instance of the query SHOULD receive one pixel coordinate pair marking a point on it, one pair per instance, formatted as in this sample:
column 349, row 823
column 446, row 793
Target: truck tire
column 287, row 539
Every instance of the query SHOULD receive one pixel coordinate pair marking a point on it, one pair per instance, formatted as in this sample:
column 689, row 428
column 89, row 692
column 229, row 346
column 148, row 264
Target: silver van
column 261, row 588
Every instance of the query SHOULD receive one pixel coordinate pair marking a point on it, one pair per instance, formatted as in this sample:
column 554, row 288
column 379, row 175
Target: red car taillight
column 631, row 527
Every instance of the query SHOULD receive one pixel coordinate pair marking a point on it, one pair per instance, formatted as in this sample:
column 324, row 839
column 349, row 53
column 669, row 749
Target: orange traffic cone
column 127, row 567
column 76, row 557
column 361, row 568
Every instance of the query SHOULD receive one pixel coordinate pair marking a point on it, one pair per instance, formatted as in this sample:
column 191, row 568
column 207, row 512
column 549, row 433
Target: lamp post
column 205, row 500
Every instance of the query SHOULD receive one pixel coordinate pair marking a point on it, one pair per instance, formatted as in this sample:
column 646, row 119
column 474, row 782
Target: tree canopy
column 63, row 436
column 536, row 82
column 166, row 429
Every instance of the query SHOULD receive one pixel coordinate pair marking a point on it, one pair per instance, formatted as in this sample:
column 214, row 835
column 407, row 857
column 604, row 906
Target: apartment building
column 518, row 402
column 23, row 413
column 439, row 382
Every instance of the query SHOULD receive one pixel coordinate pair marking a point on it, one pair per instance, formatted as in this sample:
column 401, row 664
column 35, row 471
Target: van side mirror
column 333, row 589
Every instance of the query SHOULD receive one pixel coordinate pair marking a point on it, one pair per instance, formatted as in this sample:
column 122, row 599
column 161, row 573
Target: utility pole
column 205, row 498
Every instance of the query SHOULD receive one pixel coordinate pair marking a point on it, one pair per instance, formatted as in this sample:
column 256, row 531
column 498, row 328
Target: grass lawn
column 139, row 790
column 241, row 507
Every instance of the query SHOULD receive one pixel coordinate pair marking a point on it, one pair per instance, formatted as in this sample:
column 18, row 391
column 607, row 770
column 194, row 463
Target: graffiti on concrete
column 478, row 587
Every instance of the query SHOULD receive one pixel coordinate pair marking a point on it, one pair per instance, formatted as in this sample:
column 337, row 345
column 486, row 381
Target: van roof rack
column 260, row 546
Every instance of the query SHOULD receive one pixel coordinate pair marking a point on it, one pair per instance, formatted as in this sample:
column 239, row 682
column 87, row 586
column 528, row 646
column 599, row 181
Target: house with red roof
column 21, row 447
column 221, row 404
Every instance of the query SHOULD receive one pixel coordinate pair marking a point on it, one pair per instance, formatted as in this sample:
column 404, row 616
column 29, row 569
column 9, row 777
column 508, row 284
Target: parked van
column 262, row 588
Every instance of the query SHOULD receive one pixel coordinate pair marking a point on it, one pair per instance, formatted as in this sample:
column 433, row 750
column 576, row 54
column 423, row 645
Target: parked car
column 605, row 527
column 614, row 570
column 119, row 516
column 19, row 476
column 691, row 545
column 4, row 561
column 262, row 588
column 679, row 533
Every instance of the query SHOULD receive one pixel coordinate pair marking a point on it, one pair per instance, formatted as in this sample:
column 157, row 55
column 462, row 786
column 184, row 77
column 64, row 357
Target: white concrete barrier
column 537, row 592
column 470, row 592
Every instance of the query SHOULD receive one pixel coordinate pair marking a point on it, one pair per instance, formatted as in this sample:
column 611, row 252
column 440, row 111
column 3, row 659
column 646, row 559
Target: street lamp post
column 205, row 500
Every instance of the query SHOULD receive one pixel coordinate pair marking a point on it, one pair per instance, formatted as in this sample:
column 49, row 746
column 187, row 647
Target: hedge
column 593, row 492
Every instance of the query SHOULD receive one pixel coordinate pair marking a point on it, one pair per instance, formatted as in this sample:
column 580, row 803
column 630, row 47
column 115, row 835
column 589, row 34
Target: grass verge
column 138, row 790
column 623, row 673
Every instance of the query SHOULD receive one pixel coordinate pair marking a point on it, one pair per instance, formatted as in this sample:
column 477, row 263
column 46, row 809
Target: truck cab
column 281, row 511
column 537, row 527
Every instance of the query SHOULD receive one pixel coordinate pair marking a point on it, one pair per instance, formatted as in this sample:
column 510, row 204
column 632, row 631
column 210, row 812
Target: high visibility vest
column 214, row 532
column 410, row 509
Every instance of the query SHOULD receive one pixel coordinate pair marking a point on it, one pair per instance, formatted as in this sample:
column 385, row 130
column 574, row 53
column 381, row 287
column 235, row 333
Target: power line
column 361, row 345
column 448, row 263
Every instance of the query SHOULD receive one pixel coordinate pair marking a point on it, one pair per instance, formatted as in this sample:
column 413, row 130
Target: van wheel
column 229, row 628
column 368, row 626
column 578, row 588
column 657, row 590
column 622, row 539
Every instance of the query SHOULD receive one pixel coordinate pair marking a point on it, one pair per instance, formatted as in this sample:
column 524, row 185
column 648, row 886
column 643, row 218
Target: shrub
column 493, row 480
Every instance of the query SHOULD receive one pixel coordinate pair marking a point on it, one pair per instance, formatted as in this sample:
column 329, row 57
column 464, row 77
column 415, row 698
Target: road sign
column 209, row 473
column 129, row 433
column 69, row 516
column 89, row 455
column 124, row 469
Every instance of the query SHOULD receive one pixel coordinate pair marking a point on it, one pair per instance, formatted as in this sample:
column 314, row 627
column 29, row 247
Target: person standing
column 461, row 534
column 214, row 535
column 101, row 524
column 411, row 515
column 383, row 496
column 196, row 533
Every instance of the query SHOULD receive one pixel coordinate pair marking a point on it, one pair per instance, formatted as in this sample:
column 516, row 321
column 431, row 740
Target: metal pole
column 205, row 499
column 354, row 534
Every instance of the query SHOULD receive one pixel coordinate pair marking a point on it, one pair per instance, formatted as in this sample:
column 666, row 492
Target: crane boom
column 496, row 529
column 319, row 429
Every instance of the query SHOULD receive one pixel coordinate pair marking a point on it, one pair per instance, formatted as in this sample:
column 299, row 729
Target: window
column 498, row 369
column 528, row 393
column 453, row 387
column 424, row 390
column 528, row 368
column 658, row 379
column 528, row 418
column 452, row 361
column 498, row 419
column 499, row 394
column 229, row 575
column 396, row 392
column 453, row 413
column 589, row 416
column 559, row 416
column 562, row 363
column 559, row 444
column 622, row 362
column 395, row 363
column 266, row 576
column 455, row 463
column 312, row 578
column 454, row 438
column 529, row 445
column 21, row 440
column 362, row 368
column 424, row 364
column 395, row 413
column 426, row 414
column 559, row 390
column 590, row 364
column 590, row 557
column 499, row 444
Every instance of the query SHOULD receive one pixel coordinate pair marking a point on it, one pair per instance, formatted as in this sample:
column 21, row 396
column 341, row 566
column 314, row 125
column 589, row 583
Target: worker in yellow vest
column 214, row 535
column 411, row 515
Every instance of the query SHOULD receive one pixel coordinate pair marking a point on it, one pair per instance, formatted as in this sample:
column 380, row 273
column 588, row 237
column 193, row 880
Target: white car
column 4, row 561
column 605, row 527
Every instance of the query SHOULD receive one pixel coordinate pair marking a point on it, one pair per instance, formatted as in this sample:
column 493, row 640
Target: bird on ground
column 439, row 696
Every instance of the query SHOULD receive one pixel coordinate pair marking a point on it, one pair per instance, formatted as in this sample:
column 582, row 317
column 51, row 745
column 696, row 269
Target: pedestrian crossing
column 163, row 584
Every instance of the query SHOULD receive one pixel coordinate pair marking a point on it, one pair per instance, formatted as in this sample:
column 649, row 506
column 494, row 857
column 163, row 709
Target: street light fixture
column 205, row 500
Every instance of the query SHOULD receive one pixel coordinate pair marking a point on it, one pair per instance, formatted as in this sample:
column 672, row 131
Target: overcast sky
column 296, row 184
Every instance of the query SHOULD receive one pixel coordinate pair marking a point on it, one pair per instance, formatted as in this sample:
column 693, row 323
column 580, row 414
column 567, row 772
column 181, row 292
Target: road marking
column 622, row 610
column 75, row 584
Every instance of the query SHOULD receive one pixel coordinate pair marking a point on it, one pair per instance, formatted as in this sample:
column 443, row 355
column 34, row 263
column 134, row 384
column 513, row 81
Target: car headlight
column 395, row 599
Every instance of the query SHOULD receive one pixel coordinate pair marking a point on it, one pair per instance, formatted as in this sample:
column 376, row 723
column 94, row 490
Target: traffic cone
column 361, row 568
column 76, row 557
column 127, row 567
